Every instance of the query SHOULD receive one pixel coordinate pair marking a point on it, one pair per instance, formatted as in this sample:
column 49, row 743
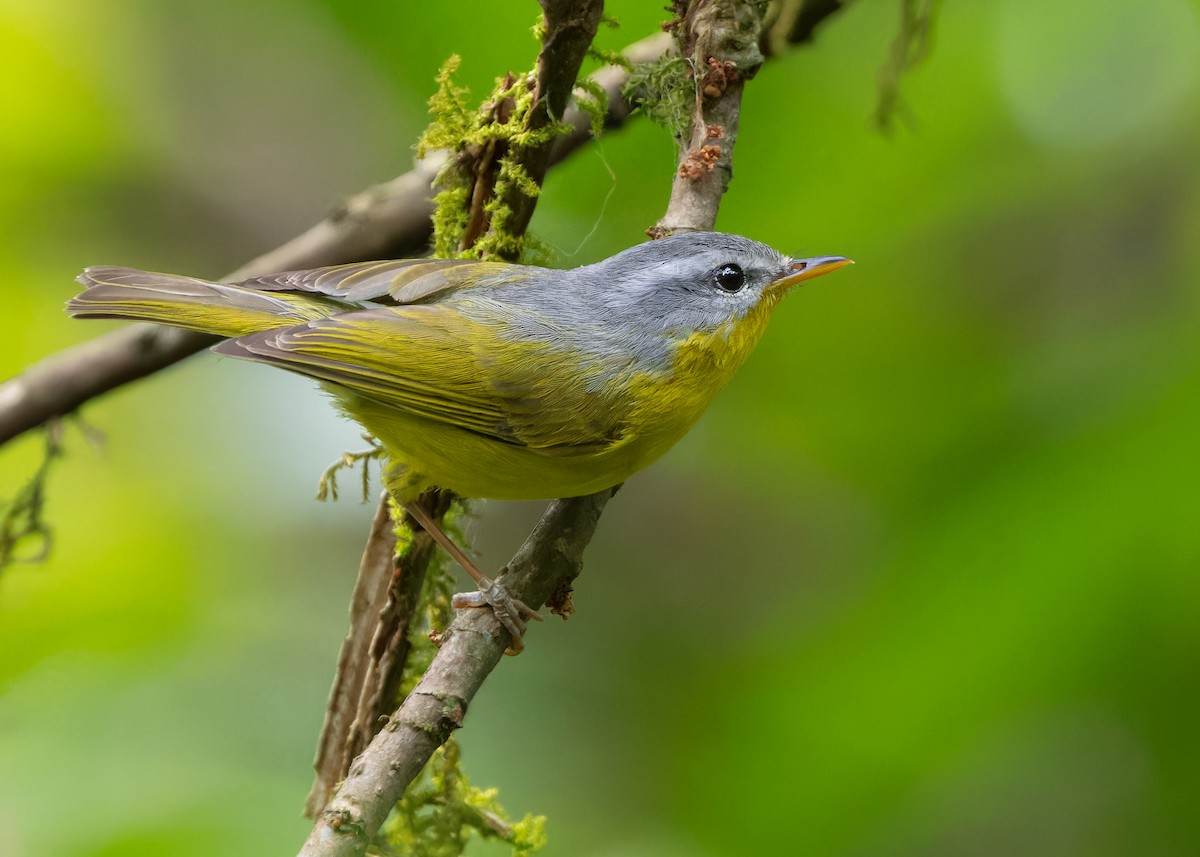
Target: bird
column 490, row 379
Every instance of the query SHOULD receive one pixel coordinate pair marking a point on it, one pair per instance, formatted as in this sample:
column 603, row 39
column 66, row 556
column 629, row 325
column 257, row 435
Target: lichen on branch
column 500, row 152
column 485, row 173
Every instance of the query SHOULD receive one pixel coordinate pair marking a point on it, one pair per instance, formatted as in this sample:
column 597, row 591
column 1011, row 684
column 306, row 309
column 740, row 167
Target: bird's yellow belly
column 434, row 454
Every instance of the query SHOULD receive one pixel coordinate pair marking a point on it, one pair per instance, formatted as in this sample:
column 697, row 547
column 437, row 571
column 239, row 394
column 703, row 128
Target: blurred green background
column 923, row 581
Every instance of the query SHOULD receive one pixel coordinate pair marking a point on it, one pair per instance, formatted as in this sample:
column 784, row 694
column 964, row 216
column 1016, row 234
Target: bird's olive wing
column 432, row 362
column 400, row 281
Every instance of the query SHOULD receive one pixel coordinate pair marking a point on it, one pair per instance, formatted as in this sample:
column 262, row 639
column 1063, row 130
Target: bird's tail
column 226, row 310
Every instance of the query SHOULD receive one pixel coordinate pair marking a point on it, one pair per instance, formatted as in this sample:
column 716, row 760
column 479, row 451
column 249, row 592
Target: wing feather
column 431, row 361
column 402, row 280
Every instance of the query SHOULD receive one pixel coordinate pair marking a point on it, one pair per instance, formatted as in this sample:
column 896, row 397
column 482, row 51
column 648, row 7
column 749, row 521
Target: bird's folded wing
column 401, row 281
column 431, row 362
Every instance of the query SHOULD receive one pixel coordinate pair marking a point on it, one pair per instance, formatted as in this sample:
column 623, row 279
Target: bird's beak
column 806, row 269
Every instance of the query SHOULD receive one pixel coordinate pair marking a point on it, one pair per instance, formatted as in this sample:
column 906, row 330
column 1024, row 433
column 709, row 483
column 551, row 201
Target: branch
column 472, row 646
column 390, row 220
column 720, row 39
column 570, row 26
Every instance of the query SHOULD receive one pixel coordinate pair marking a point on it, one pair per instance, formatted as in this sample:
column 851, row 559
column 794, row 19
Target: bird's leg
column 512, row 612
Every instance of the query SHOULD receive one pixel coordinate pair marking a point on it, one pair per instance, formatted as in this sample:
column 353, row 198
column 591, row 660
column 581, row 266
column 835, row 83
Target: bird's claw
column 512, row 612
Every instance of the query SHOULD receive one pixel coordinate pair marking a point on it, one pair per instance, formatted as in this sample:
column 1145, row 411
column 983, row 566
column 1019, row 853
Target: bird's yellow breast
column 666, row 405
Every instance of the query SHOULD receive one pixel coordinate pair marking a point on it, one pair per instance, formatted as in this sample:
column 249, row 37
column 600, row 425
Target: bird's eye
column 730, row 277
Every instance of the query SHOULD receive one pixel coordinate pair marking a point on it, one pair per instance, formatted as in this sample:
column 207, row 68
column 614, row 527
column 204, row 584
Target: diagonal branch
column 473, row 644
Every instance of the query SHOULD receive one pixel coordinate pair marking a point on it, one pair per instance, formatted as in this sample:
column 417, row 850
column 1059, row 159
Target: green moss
column 539, row 252
column 453, row 123
column 451, row 213
column 442, row 812
column 664, row 91
column 591, row 98
column 452, row 117
column 506, row 122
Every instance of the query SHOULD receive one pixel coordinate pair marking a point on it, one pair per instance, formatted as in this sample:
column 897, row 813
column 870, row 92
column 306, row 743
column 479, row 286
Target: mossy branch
column 500, row 154
column 442, row 810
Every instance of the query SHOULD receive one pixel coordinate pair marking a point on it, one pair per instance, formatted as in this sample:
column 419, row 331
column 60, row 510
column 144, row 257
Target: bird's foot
column 512, row 612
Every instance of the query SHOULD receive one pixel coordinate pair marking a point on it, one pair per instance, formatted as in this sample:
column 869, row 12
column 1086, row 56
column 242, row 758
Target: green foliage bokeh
column 923, row 581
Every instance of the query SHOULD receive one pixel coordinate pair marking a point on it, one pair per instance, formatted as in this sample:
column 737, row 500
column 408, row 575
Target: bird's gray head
column 696, row 281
